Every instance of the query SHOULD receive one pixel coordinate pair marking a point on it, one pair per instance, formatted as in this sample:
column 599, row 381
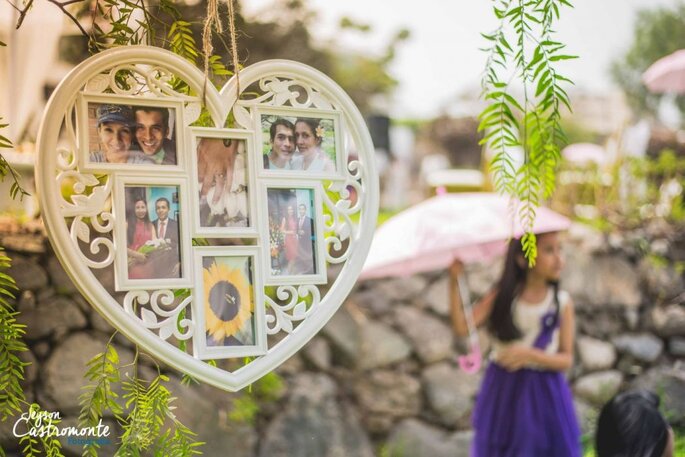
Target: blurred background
column 381, row 379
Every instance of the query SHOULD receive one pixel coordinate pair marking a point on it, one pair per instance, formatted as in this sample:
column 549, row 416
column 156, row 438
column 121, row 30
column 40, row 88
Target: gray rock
column 373, row 301
column 386, row 396
column 676, row 346
column 600, row 324
column 436, row 297
column 644, row 347
column 402, row 289
column 480, row 277
column 30, row 370
column 207, row 411
column 415, row 438
column 430, row 338
column 24, row 242
column 380, row 346
column 55, row 316
column 63, row 373
column 313, row 424
column 27, row 301
column 60, row 279
column 344, row 332
column 598, row 388
column 599, row 280
column 595, row 354
column 100, row 324
column 450, row 393
column 669, row 320
column 27, row 273
column 660, row 281
column 669, row 384
column 318, row 353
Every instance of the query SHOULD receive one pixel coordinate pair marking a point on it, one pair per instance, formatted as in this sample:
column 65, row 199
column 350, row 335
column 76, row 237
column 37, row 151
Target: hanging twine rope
column 213, row 22
column 234, row 47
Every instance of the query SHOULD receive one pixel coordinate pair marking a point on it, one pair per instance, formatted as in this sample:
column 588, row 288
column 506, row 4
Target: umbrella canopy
column 667, row 75
column 431, row 235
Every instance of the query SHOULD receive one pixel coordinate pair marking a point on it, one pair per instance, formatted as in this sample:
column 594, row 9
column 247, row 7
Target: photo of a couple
column 292, row 236
column 123, row 134
column 299, row 144
column 152, row 234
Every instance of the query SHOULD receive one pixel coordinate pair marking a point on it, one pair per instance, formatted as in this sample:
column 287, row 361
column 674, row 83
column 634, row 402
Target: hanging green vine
column 525, row 95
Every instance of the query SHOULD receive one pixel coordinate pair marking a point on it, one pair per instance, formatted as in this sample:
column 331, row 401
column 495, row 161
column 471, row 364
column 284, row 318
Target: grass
column 678, row 448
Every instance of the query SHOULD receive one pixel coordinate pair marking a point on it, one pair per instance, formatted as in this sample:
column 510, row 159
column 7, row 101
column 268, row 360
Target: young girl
column 524, row 407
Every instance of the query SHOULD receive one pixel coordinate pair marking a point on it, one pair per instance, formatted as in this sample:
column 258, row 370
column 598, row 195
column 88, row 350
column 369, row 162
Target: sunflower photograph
column 228, row 301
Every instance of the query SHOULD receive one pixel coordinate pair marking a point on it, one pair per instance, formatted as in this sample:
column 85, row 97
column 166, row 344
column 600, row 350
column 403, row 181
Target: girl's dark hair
column 630, row 425
column 501, row 322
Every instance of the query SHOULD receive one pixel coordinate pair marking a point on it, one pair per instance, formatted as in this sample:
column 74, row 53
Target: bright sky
column 442, row 58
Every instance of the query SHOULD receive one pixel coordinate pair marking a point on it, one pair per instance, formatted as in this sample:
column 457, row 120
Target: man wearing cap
column 152, row 128
column 115, row 136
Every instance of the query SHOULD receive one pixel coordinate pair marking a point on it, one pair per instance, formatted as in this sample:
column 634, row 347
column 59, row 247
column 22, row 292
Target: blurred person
column 152, row 130
column 282, row 139
column 290, row 243
column 524, row 406
column 139, row 230
column 305, row 253
column 630, row 425
column 308, row 138
column 115, row 136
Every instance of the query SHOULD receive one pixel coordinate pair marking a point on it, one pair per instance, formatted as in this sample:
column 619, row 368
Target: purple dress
column 528, row 412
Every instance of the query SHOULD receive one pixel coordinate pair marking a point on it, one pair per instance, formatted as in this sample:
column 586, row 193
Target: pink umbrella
column 667, row 75
column 449, row 227
column 468, row 227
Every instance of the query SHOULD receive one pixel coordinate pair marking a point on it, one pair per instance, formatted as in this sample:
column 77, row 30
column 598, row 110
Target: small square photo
column 131, row 134
column 228, row 301
column 298, row 143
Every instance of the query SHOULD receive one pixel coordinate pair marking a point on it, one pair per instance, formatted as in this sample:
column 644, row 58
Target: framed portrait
column 130, row 133
column 222, row 183
column 228, row 308
column 297, row 142
column 294, row 229
column 152, row 248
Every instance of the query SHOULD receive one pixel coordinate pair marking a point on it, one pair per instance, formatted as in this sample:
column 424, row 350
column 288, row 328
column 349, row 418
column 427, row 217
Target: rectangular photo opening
column 120, row 131
column 222, row 176
column 292, row 232
column 153, row 232
column 300, row 142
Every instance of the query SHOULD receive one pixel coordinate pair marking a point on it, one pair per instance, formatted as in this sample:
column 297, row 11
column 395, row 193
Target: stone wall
column 381, row 377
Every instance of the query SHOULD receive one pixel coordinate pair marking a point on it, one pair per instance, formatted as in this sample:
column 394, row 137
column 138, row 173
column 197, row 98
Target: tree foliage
column 658, row 32
column 522, row 57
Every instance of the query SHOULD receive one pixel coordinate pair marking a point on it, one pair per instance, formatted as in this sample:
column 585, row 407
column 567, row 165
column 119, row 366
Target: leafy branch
column 532, row 121
column 11, row 345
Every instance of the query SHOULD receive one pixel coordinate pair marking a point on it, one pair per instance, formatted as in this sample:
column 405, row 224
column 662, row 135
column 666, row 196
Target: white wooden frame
column 251, row 230
column 284, row 111
column 85, row 248
column 84, row 141
column 200, row 348
column 320, row 277
column 122, row 280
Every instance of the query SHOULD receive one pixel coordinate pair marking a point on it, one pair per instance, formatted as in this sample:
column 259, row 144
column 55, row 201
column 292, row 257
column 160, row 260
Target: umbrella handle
column 471, row 362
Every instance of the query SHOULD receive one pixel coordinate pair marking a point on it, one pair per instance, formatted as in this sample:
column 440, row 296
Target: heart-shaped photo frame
column 207, row 225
